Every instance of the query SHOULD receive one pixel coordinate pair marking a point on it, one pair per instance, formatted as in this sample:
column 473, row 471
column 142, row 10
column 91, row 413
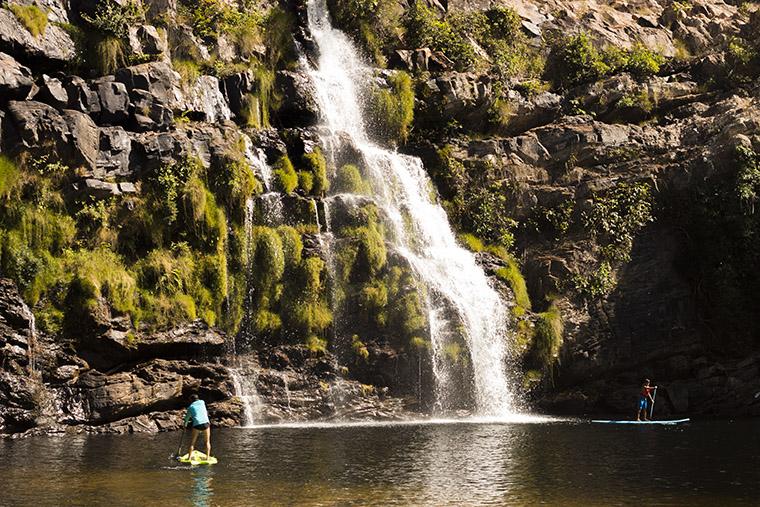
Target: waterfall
column 459, row 291
column 245, row 390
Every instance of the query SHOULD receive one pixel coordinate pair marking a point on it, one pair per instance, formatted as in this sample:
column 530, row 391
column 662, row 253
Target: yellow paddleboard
column 198, row 458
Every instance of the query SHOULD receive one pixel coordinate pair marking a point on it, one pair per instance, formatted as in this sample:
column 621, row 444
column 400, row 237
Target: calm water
column 558, row 463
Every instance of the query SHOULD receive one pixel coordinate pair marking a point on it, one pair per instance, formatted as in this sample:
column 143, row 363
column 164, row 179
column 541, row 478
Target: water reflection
column 202, row 491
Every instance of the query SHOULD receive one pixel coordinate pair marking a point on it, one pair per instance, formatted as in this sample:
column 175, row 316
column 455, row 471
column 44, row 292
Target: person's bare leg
column 207, row 432
column 192, row 443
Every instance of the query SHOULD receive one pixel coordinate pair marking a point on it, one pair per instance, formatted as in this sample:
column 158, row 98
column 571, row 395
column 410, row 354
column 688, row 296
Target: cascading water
column 245, row 390
column 419, row 227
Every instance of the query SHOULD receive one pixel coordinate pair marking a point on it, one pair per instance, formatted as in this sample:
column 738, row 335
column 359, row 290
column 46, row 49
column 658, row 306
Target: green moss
column 349, row 180
column 512, row 275
column 100, row 274
column 266, row 322
column 393, row 108
column 32, row 17
column 371, row 254
column 372, row 301
column 453, row 352
column 471, row 242
column 305, row 311
column 305, row 181
column 278, row 29
column 267, row 259
column 548, row 336
column 291, row 244
column 234, row 183
column 286, row 178
column 258, row 104
column 9, row 176
column 317, row 165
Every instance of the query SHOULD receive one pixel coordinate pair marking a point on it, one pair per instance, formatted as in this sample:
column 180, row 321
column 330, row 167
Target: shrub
column 483, row 211
column 424, row 29
column 32, row 17
column 349, row 180
column 278, row 40
column 643, row 62
column 286, row 179
column 110, row 54
column 393, row 109
column 114, row 18
column 596, row 284
column 547, row 339
column 573, row 60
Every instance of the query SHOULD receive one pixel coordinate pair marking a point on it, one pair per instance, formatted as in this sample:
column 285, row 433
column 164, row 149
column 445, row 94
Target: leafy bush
column 114, row 18
column 32, row 17
column 425, row 29
column 360, row 350
column 616, row 217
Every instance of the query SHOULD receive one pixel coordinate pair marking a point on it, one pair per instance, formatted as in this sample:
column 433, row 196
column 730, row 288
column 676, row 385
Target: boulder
column 299, row 106
column 16, row 81
column 235, row 87
column 114, row 101
column 99, row 189
column 54, row 47
column 81, row 97
column 148, row 113
column 158, row 78
column 53, row 92
column 205, row 101
column 38, row 128
column 193, row 339
column 146, row 40
column 114, row 152
column 151, row 150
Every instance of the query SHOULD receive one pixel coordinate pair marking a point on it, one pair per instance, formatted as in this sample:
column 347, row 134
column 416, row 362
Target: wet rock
column 205, row 99
column 16, row 81
column 299, row 106
column 235, row 88
column 193, row 339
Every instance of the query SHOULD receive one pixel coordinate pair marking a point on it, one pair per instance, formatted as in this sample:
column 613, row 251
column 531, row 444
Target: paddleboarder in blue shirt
column 197, row 413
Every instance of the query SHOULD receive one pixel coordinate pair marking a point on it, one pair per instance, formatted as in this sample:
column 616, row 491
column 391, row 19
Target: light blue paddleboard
column 666, row 422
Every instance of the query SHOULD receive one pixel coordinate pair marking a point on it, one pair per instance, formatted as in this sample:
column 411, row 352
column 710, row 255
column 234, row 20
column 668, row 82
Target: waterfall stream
column 419, row 228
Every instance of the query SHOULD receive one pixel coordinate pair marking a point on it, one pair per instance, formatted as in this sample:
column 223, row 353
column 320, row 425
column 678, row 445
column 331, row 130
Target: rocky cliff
column 161, row 187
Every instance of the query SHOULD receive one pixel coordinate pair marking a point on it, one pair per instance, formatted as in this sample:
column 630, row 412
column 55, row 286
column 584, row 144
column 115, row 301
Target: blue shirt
column 197, row 412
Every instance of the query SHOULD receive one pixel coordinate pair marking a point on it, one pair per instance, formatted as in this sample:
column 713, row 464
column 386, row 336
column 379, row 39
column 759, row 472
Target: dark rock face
column 15, row 80
column 38, row 127
column 299, row 105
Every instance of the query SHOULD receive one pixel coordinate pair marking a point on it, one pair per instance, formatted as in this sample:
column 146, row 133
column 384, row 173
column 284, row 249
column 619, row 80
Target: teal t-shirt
column 197, row 412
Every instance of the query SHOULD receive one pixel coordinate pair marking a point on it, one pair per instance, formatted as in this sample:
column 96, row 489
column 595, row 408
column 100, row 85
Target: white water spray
column 419, row 227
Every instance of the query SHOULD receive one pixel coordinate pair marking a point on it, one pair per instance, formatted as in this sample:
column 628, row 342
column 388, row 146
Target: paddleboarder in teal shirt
column 197, row 413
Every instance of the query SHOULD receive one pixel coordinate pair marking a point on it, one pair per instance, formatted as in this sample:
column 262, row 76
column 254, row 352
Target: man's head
column 646, row 382
column 193, row 397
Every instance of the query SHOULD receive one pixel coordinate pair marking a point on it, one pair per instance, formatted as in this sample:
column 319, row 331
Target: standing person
column 645, row 398
column 197, row 413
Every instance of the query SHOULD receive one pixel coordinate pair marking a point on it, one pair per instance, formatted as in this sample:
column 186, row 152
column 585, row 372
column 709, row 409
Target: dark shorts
column 643, row 402
column 200, row 427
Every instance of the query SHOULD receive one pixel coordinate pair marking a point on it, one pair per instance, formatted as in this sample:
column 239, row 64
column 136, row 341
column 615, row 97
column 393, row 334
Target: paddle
column 651, row 409
column 176, row 455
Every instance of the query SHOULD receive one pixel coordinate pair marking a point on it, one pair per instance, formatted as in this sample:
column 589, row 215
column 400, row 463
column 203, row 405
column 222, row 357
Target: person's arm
column 187, row 417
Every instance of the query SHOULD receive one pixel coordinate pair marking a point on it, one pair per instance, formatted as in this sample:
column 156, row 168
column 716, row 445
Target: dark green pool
column 550, row 463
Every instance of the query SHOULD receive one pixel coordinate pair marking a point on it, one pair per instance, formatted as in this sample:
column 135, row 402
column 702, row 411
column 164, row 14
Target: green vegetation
column 616, row 216
column 349, row 180
column 424, row 29
column 32, row 17
column 392, row 109
column 547, row 339
column 316, row 165
column 107, row 46
column 512, row 275
column 574, row 60
column 286, row 178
